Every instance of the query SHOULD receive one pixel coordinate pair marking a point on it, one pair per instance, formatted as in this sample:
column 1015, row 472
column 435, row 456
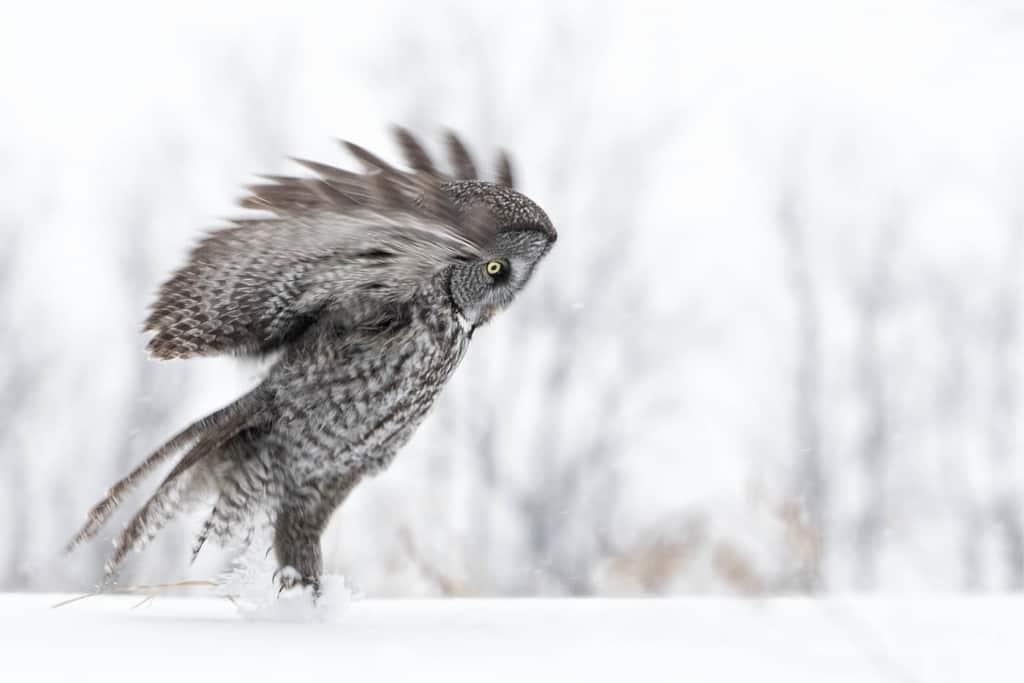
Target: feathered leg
column 298, row 526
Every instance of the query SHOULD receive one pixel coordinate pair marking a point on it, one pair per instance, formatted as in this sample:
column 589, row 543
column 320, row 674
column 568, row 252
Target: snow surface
column 253, row 590
column 701, row 639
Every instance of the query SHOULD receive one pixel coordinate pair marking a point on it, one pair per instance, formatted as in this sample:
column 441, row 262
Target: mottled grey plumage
column 370, row 286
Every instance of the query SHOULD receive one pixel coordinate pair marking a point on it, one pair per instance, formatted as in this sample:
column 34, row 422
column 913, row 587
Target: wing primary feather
column 330, row 194
column 325, row 171
column 277, row 179
column 504, row 175
column 368, row 159
column 288, row 197
column 462, row 162
column 389, row 196
column 415, row 155
column 253, row 202
column 432, row 199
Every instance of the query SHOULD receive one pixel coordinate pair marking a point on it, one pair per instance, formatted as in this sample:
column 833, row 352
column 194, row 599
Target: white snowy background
column 777, row 348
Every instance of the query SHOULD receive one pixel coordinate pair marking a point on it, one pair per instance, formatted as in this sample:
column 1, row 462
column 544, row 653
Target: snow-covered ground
column 701, row 639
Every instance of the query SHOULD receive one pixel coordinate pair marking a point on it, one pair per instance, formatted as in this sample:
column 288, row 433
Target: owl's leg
column 297, row 546
column 297, row 529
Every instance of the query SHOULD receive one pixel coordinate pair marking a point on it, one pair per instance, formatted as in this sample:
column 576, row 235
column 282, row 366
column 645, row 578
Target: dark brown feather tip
column 325, row 171
column 368, row 159
column 505, row 176
column 462, row 163
column 415, row 155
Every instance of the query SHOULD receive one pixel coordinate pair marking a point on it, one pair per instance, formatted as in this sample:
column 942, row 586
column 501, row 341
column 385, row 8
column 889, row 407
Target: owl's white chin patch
column 464, row 323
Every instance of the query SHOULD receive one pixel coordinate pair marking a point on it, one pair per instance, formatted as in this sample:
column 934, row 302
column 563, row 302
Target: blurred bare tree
column 16, row 381
column 809, row 482
column 872, row 292
column 1004, row 441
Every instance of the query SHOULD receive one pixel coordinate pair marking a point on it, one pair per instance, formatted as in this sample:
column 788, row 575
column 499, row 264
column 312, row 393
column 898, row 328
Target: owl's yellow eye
column 494, row 268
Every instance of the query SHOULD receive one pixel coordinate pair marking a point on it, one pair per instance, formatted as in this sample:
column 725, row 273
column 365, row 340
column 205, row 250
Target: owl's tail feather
column 169, row 496
column 212, row 429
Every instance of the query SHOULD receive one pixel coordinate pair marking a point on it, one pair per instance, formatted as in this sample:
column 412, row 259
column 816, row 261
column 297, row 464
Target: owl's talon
column 287, row 578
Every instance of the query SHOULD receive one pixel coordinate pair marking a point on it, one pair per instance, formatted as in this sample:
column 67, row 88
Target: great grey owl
column 369, row 286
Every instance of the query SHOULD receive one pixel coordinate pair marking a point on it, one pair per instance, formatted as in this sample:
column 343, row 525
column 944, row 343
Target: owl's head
column 482, row 287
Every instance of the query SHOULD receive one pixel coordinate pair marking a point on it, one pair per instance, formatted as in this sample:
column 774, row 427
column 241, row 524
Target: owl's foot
column 289, row 577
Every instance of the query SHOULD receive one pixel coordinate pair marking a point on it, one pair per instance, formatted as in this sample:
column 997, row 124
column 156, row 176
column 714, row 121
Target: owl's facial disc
column 481, row 289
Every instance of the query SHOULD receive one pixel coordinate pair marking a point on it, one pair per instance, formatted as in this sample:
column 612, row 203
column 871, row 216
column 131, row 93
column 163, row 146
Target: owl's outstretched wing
column 352, row 245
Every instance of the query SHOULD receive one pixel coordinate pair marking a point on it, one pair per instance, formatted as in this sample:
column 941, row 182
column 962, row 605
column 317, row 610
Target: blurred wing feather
column 462, row 162
column 346, row 244
column 505, row 175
